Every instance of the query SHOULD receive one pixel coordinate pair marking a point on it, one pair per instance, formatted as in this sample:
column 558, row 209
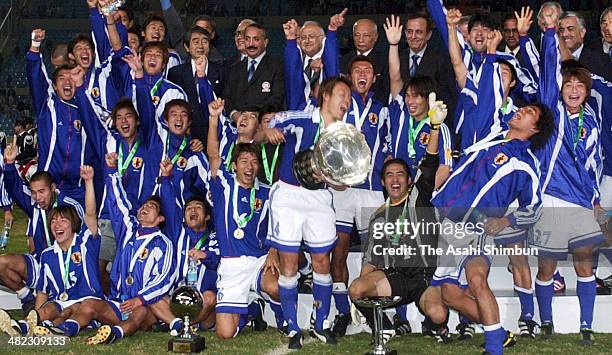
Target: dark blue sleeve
column 294, row 77
column 37, row 80
column 91, row 123
column 331, row 56
column 171, row 208
column 98, row 29
column 16, row 189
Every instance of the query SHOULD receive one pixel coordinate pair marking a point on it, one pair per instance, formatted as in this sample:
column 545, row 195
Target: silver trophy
column 377, row 304
column 111, row 7
column 341, row 155
column 186, row 302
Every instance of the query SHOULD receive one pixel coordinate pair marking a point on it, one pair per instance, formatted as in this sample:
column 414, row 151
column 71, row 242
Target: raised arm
column 38, row 80
column 175, row 28
column 91, row 123
column 15, row 187
column 331, row 53
column 454, row 48
column 171, row 204
column 91, row 215
column 215, row 109
column 294, row 76
column 393, row 30
column 529, row 49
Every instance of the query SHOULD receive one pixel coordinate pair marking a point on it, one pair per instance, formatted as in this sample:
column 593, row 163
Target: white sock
column 23, row 293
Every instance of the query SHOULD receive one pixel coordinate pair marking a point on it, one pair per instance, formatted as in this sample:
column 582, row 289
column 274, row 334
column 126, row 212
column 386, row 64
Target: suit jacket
column 596, row 61
column 381, row 85
column 436, row 65
column 182, row 75
column 267, row 87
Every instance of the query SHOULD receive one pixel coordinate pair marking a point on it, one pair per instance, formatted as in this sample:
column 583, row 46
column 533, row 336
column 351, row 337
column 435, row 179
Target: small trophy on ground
column 378, row 304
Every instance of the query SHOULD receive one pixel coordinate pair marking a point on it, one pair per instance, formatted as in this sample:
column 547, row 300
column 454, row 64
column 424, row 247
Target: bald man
column 240, row 45
column 365, row 35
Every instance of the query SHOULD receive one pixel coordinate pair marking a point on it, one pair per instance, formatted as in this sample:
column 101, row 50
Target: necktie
column 313, row 75
column 610, row 52
column 413, row 67
column 251, row 70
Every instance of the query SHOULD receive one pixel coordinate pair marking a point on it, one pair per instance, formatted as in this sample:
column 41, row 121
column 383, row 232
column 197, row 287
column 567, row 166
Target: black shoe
column 325, row 335
column 601, row 287
column 340, row 324
column 442, row 335
column 305, row 283
column 160, row 326
column 586, row 335
column 527, row 328
column 401, row 327
column 284, row 330
column 608, row 281
column 426, row 329
column 259, row 324
column 295, row 340
column 547, row 329
column 465, row 330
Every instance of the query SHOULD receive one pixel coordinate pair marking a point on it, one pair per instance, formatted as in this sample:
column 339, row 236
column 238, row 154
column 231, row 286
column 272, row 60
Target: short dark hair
column 193, row 30
column 158, row 201
column 81, row 37
column 422, row 85
column 398, row 161
column 328, row 85
column 480, row 18
column 572, row 68
column 68, row 212
column 206, row 18
column 266, row 109
column 177, row 102
column 42, row 175
column 259, row 27
column 241, row 148
column 508, row 16
column 154, row 18
column 201, row 200
column 361, row 58
column 57, row 71
column 510, row 66
column 159, row 45
column 424, row 16
column 137, row 33
column 128, row 11
column 124, row 103
column 545, row 126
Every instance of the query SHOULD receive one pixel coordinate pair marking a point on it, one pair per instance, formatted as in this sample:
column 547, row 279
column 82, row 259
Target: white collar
column 193, row 68
column 366, row 53
column 576, row 54
column 605, row 45
column 317, row 55
column 257, row 59
column 420, row 53
column 512, row 51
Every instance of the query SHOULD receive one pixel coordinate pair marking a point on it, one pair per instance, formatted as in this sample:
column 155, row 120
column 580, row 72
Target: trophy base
column 383, row 352
column 195, row 344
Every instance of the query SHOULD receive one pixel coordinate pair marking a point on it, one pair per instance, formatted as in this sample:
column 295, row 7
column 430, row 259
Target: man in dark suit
column 240, row 46
column 604, row 43
column 572, row 29
column 197, row 42
column 258, row 80
column 365, row 35
column 421, row 59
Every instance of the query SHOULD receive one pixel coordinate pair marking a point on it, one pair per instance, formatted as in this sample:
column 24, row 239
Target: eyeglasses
column 238, row 33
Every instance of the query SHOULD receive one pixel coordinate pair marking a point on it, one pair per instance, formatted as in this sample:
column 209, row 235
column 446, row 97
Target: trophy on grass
column 378, row 304
column 341, row 155
column 186, row 302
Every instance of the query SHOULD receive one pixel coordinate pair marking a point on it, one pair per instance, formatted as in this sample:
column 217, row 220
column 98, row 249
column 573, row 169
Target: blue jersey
column 173, row 60
column 83, row 277
column 6, row 202
column 252, row 240
column 371, row 119
column 102, row 87
column 185, row 239
column 401, row 136
column 62, row 143
column 99, row 34
column 190, row 169
column 301, row 130
column 601, row 102
column 489, row 180
column 20, row 192
column 571, row 160
column 296, row 90
column 145, row 256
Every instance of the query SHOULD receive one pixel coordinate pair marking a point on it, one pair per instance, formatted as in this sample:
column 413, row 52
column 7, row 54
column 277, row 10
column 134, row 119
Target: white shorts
column 298, row 214
column 564, row 226
column 356, row 205
column 605, row 188
column 468, row 244
column 62, row 305
column 237, row 277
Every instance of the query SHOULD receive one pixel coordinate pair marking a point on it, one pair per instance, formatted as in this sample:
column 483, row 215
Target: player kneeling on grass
column 142, row 269
column 197, row 251
column 240, row 210
column 407, row 276
column 69, row 271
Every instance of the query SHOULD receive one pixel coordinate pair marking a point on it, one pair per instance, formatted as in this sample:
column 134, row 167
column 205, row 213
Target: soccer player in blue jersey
column 571, row 166
column 490, row 175
column 354, row 204
column 21, row 272
column 290, row 224
column 69, row 270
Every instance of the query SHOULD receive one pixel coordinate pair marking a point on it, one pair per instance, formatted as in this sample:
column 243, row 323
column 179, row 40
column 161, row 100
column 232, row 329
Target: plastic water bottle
column 124, row 315
column 4, row 238
column 192, row 272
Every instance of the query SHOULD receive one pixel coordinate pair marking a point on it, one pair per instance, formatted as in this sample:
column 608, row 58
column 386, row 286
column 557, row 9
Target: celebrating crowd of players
column 157, row 157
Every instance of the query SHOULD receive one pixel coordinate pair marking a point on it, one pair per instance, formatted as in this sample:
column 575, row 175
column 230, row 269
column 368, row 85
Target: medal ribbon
column 197, row 247
column 413, row 132
column 269, row 169
column 123, row 165
column 580, row 125
column 243, row 219
column 65, row 266
column 404, row 210
column 484, row 144
column 156, row 87
column 228, row 158
column 45, row 223
column 179, row 151
column 359, row 119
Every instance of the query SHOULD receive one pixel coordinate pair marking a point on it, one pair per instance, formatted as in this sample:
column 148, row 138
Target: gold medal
column 129, row 280
column 238, row 233
column 63, row 297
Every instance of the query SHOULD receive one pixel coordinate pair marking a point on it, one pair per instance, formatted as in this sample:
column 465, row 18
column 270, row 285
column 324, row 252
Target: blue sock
column 557, row 275
column 278, row 313
column 176, row 324
column 253, row 310
column 494, row 339
column 402, row 312
column 463, row 319
column 585, row 289
column 70, row 327
column 244, row 319
column 23, row 326
column 118, row 331
column 544, row 293
column 321, row 291
column 526, row 298
column 341, row 298
column 287, row 290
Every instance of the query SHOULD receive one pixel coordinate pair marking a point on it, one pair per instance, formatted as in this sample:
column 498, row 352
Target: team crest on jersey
column 501, row 158
column 583, row 133
column 373, row 118
column 143, row 255
column 155, row 100
column 76, row 257
column 258, row 204
column 137, row 162
column 424, row 138
column 181, row 162
column 95, row 92
column 77, row 125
